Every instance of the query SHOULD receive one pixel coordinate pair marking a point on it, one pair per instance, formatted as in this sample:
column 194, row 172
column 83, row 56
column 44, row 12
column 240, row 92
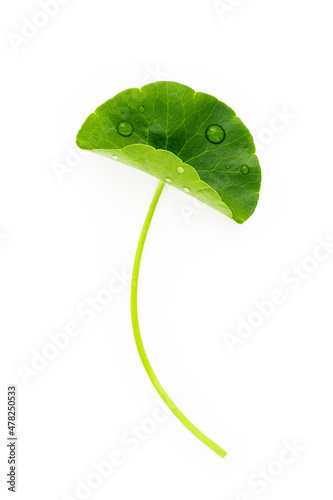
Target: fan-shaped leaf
column 188, row 139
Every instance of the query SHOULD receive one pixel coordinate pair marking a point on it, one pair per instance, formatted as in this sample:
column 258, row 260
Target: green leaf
column 188, row 139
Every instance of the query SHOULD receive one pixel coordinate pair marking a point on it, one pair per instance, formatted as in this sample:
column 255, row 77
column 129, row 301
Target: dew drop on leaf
column 227, row 167
column 245, row 169
column 114, row 157
column 180, row 170
column 186, row 190
column 125, row 128
column 215, row 134
column 167, row 179
column 141, row 109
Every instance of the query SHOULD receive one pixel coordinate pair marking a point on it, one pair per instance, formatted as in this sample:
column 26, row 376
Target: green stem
column 137, row 335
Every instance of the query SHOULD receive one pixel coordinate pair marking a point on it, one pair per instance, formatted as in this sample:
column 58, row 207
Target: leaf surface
column 188, row 139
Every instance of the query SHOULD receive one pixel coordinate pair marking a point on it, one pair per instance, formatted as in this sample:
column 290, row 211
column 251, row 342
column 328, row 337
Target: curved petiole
column 138, row 339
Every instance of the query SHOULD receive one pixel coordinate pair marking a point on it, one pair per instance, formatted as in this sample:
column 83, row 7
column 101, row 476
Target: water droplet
column 114, row 157
column 186, row 190
column 227, row 167
column 180, row 170
column 141, row 109
column 245, row 169
column 125, row 128
column 167, row 179
column 215, row 134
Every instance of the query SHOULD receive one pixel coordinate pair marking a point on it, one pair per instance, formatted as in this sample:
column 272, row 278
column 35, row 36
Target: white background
column 63, row 237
